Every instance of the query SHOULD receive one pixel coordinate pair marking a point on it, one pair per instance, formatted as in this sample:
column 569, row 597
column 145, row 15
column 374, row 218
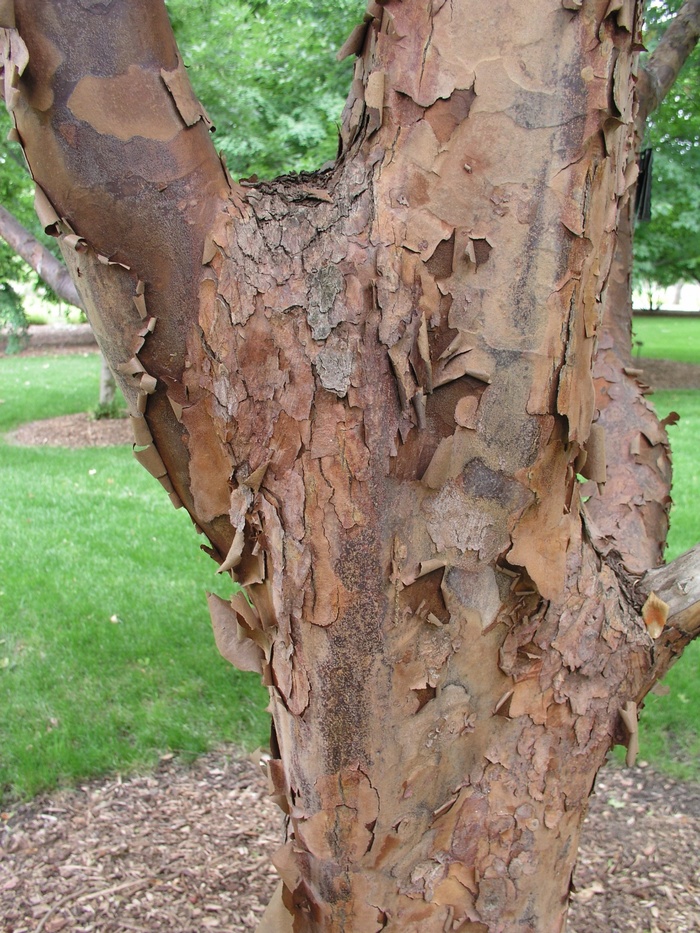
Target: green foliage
column 667, row 249
column 13, row 321
column 267, row 74
column 107, row 658
column 17, row 196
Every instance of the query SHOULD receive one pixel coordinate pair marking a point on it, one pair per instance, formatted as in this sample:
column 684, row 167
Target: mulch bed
column 183, row 849
column 669, row 374
column 187, row 849
column 73, row 431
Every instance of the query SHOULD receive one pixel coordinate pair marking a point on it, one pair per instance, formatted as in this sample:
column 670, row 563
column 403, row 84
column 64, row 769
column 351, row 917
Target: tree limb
column 632, row 510
column 49, row 269
column 129, row 180
column 678, row 585
column 667, row 59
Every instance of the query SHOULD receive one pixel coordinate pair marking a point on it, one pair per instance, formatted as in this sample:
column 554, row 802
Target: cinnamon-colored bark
column 118, row 167
column 372, row 388
column 629, row 515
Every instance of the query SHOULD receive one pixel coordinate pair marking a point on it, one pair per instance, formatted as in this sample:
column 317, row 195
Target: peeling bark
column 630, row 514
column 676, row 586
column 371, row 388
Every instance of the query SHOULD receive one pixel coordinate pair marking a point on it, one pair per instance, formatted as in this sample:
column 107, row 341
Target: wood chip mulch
column 183, row 849
column 73, row 431
column 187, row 849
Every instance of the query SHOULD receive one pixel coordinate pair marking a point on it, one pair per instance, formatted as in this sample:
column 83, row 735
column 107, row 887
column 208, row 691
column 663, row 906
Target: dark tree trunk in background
column 372, row 389
column 108, row 386
column 49, row 269
column 54, row 274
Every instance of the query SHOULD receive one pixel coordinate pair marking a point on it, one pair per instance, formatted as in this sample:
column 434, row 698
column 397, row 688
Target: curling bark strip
column 371, row 388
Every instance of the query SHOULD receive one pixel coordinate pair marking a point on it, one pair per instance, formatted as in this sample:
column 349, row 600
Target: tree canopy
column 267, row 75
column 667, row 249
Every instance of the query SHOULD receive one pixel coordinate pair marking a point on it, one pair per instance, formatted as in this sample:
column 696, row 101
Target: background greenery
column 667, row 338
column 266, row 72
column 667, row 249
column 107, row 658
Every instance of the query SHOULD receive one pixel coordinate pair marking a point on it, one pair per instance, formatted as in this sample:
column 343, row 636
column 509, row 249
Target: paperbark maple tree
column 372, row 389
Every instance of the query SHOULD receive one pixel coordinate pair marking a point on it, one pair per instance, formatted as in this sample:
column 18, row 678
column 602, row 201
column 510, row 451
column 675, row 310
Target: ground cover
column 667, row 338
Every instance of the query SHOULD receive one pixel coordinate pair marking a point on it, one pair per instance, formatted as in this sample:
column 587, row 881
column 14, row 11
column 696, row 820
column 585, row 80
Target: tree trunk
column 630, row 514
column 372, row 389
column 108, row 386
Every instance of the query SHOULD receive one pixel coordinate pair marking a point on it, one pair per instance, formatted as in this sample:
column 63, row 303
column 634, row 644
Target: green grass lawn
column 670, row 725
column 32, row 388
column 107, row 659
column 667, row 338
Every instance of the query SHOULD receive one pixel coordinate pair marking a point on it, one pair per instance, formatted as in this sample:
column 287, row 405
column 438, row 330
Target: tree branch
column 632, row 510
column 667, row 59
column 49, row 269
column 128, row 179
column 678, row 585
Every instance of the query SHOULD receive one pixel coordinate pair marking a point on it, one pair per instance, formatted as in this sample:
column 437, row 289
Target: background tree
column 51, row 272
column 667, row 249
column 371, row 388
column 267, row 75
column 15, row 190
